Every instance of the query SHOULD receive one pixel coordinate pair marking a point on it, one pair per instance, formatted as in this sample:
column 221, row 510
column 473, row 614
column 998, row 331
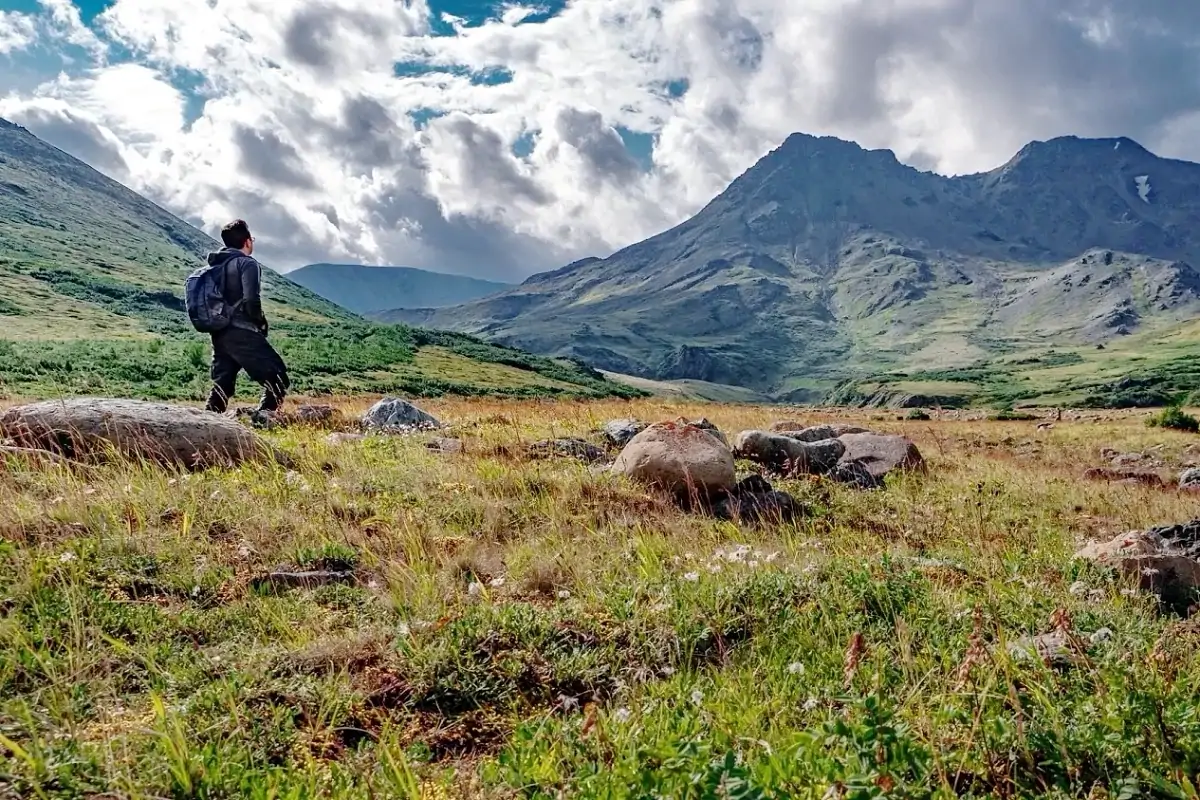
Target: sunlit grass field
column 536, row 628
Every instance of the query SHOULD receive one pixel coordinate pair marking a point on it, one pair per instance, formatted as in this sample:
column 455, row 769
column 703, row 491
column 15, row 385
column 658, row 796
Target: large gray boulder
column 392, row 414
column 92, row 429
column 881, row 454
column 681, row 458
column 787, row 456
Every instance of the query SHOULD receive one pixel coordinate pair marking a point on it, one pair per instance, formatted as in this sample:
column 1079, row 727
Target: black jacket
column 243, row 283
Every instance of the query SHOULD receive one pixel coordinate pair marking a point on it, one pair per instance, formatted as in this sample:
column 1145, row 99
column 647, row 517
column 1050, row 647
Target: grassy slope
column 136, row 660
column 91, row 277
column 366, row 289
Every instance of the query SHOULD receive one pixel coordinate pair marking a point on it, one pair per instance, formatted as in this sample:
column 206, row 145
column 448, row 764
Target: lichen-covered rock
column 881, row 454
column 392, row 414
column 87, row 428
column 1189, row 480
column 704, row 425
column 683, row 459
column 1160, row 561
column 787, row 456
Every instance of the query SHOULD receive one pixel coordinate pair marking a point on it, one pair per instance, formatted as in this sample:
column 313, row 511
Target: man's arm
column 252, row 291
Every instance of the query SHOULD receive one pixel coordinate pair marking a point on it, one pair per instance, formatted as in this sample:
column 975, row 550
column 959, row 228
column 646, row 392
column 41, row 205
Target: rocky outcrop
column 784, row 455
column 881, row 454
column 95, row 428
column 1161, row 560
column 683, row 459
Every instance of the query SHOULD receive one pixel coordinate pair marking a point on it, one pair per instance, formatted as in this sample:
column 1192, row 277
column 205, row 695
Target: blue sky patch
column 640, row 146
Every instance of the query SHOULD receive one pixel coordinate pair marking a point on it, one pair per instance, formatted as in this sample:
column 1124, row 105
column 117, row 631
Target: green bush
column 918, row 415
column 1175, row 418
column 1008, row 415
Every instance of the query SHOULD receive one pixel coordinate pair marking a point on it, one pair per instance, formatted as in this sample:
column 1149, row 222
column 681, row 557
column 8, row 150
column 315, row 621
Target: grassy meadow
column 536, row 629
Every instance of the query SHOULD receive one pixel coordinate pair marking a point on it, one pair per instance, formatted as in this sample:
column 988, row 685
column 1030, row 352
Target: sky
column 497, row 139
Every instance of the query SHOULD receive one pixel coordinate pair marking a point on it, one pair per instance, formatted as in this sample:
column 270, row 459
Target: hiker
column 224, row 300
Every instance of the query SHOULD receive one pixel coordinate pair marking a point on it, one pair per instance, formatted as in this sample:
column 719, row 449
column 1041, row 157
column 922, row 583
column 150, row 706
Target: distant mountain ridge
column 365, row 289
column 826, row 263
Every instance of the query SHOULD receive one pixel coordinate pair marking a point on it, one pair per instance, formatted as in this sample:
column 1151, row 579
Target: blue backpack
column 204, row 296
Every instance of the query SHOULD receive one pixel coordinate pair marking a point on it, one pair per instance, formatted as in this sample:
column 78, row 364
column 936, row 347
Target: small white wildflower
column 1096, row 596
column 475, row 589
column 563, row 594
column 403, row 629
column 752, row 564
column 372, row 584
column 196, row 590
column 810, row 704
column 293, row 477
column 1078, row 588
column 496, row 583
column 714, row 568
column 770, row 557
column 622, row 715
column 172, row 482
column 568, row 703
column 67, row 557
column 215, row 495
column 796, row 668
column 668, row 671
column 697, row 697
column 691, row 577
column 89, row 490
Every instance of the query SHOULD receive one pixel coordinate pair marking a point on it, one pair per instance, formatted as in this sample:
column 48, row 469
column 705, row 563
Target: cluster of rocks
column 694, row 462
column 1144, row 469
column 1164, row 560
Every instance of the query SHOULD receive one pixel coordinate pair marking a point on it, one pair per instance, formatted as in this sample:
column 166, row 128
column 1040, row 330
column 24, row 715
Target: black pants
column 236, row 349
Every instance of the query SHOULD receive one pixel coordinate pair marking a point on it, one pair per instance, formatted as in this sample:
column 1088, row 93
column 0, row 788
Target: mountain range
column 91, row 283
column 363, row 289
column 828, row 271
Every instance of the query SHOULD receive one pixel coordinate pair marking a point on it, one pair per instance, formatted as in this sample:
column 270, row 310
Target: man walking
column 239, row 335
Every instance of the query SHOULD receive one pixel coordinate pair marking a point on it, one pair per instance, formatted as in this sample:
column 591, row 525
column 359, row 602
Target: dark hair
column 236, row 234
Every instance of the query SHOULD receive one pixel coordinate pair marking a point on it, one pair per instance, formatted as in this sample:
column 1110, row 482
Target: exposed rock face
column 683, row 459
column 394, row 414
column 787, row 456
column 881, row 454
column 91, row 428
column 775, row 276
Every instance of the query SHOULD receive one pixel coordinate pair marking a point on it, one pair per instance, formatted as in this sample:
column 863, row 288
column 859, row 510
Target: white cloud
column 496, row 151
column 16, row 31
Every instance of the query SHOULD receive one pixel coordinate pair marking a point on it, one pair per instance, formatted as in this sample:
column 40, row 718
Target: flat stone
column 95, row 428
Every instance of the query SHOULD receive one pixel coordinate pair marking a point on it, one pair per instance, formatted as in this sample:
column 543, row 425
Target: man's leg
column 262, row 364
column 224, row 376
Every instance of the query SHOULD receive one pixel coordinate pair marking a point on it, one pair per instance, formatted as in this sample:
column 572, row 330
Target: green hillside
column 364, row 289
column 91, row 280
